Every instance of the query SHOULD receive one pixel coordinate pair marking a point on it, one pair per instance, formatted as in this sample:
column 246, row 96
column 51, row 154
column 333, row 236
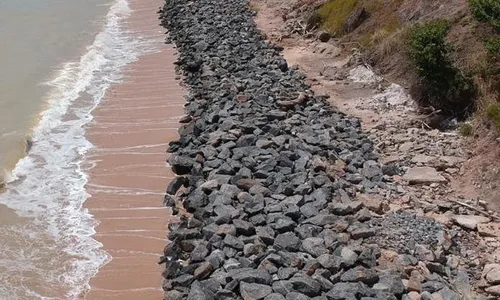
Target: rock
column 489, row 229
column 356, row 18
column 493, row 275
column 197, row 292
column 362, row 233
column 343, row 209
column 414, row 285
column 314, row 246
column 296, row 296
column 348, row 256
column 371, row 202
column 210, row 185
column 345, row 291
column 254, row 291
column 368, row 276
column 423, row 175
column 469, row 221
column 412, row 296
column 275, row 296
column 423, row 253
column 305, row 285
column 203, row 271
column 447, row 294
column 249, row 275
column 243, row 227
column 181, row 165
column 287, row 241
column 324, row 36
column 493, row 290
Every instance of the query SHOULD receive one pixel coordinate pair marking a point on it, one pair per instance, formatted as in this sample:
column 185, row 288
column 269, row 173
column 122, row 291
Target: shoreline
column 131, row 129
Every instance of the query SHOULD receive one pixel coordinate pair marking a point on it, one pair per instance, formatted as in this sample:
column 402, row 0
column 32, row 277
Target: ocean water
column 57, row 60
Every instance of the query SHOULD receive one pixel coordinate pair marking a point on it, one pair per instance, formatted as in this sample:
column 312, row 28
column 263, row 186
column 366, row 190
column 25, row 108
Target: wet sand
column 131, row 130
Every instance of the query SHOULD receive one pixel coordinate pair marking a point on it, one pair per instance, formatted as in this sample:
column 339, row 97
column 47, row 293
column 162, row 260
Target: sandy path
column 131, row 130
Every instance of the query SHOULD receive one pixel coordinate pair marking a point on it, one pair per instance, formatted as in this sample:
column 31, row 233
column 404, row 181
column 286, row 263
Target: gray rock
column 254, row 291
column 233, row 242
column 287, row 241
column 249, row 275
column 314, row 246
column 275, row 296
column 348, row 256
column 368, row 276
column 243, row 227
column 305, row 285
column 296, row 296
column 282, row 287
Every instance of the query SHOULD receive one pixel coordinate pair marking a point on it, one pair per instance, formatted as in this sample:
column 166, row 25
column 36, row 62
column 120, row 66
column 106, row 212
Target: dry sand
column 131, row 130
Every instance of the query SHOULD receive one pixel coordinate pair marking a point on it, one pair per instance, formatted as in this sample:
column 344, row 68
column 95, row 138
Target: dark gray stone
column 254, row 291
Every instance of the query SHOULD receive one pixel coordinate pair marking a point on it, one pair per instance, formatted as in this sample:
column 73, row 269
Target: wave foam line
column 53, row 246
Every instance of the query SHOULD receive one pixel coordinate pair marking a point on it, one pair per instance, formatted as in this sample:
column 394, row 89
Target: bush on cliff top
column 442, row 84
column 486, row 11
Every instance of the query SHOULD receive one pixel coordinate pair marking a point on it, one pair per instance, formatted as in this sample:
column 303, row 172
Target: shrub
column 443, row 85
column 334, row 14
column 486, row 11
column 493, row 112
column 493, row 48
column 466, row 129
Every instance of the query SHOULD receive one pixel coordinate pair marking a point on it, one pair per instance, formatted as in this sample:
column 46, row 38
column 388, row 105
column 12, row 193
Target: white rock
column 423, row 175
column 470, row 221
column 362, row 74
column 493, row 276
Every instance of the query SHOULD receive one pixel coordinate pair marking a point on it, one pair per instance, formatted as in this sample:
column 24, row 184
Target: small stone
column 412, row 296
column 314, row 246
column 324, row 36
column 423, row 253
column 414, row 285
column 489, row 229
column 287, row 241
column 349, row 257
column 209, row 185
column 493, row 276
column 493, row 290
column 368, row 276
column 423, row 175
column 371, row 202
column 405, row 147
column 470, row 221
column 274, row 296
column 305, row 285
column 254, row 291
column 203, row 271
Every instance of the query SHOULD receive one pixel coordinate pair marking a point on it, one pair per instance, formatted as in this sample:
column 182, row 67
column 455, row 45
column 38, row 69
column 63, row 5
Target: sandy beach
column 130, row 132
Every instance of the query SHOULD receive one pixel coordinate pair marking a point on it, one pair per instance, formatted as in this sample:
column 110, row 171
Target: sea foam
column 51, row 249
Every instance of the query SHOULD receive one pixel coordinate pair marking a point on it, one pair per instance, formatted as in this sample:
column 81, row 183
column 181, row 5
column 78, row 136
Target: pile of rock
column 271, row 177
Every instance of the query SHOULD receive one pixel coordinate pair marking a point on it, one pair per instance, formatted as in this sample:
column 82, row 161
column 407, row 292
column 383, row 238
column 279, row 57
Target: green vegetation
column 334, row 13
column 443, row 85
column 493, row 48
column 493, row 112
column 486, row 11
column 466, row 129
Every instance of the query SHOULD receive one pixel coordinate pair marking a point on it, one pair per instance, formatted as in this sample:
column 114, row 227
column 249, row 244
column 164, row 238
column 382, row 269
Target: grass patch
column 466, row 129
column 334, row 13
column 486, row 11
column 443, row 85
column 493, row 48
column 493, row 113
